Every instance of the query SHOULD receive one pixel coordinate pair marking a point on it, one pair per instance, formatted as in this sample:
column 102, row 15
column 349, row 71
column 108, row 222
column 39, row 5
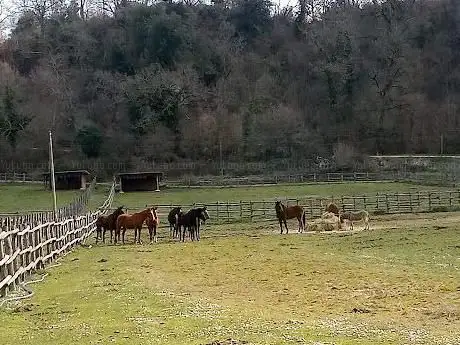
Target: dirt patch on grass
column 227, row 342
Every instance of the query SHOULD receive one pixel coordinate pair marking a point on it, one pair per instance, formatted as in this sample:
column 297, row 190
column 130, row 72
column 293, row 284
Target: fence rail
column 401, row 176
column 448, row 177
column 26, row 247
column 380, row 203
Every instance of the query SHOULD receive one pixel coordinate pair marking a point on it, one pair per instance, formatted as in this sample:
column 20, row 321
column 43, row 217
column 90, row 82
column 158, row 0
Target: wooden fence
column 25, row 248
column 439, row 178
column 19, row 178
column 399, row 176
column 381, row 203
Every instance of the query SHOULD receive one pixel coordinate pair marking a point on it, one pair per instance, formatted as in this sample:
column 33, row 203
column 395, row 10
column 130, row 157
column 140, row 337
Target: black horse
column 172, row 219
column 107, row 223
column 191, row 222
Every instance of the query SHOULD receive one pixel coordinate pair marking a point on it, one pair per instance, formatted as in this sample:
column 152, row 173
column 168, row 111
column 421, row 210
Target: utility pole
column 442, row 144
column 221, row 158
column 53, row 182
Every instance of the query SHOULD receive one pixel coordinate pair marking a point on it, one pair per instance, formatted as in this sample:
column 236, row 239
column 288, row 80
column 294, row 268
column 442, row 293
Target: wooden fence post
column 241, row 210
column 387, row 203
column 228, row 213
column 377, row 197
column 251, row 210
column 410, row 202
column 429, row 201
column 3, row 270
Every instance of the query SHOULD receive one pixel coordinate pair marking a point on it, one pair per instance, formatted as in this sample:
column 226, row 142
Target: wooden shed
column 72, row 179
column 140, row 181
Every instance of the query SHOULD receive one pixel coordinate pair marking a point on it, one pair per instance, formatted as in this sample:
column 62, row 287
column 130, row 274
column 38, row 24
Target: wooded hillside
column 133, row 82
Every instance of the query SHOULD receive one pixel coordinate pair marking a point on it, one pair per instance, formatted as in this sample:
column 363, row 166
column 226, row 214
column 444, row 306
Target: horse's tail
column 304, row 220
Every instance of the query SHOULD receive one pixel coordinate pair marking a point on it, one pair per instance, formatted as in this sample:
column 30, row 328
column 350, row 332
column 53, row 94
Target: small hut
column 72, row 179
column 140, row 181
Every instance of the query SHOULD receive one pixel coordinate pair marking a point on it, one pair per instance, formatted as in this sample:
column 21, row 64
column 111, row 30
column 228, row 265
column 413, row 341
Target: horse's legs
column 285, row 224
column 123, row 235
column 281, row 225
column 300, row 224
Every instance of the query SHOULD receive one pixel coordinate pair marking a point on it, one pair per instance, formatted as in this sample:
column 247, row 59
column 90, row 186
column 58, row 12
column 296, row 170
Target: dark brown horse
column 173, row 217
column 152, row 224
column 107, row 223
column 288, row 212
column 191, row 221
column 333, row 208
column 133, row 221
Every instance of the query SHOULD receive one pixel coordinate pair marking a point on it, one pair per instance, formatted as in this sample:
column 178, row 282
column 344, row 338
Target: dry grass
column 247, row 282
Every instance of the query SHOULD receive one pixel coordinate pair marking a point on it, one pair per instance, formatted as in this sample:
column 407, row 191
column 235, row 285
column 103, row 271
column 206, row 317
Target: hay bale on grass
column 328, row 223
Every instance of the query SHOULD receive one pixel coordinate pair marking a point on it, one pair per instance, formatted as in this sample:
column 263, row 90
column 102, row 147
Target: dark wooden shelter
column 140, row 181
column 72, row 179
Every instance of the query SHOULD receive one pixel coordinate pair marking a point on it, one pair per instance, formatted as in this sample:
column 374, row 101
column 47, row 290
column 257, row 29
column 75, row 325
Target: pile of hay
column 328, row 222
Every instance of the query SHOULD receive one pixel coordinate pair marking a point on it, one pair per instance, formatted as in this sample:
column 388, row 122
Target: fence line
column 399, row 176
column 357, row 176
column 26, row 248
column 380, row 203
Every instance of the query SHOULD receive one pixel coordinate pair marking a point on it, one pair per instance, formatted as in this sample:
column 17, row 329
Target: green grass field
column 26, row 197
column 395, row 284
column 187, row 196
column 31, row 196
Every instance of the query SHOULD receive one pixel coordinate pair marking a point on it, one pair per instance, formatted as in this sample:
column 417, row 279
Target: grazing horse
column 172, row 219
column 191, row 221
column 107, row 223
column 133, row 221
column 356, row 216
column 152, row 224
column 333, row 208
column 283, row 213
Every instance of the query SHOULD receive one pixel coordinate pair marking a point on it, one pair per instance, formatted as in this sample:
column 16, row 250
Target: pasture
column 31, row 196
column 395, row 284
column 28, row 197
column 187, row 196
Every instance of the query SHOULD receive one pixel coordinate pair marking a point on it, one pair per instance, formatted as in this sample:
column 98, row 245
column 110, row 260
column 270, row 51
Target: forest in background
column 132, row 84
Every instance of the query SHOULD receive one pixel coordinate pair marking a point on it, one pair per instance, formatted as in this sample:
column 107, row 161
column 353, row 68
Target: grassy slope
column 253, row 284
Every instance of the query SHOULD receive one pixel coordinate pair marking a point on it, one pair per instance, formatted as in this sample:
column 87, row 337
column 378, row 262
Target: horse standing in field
column 133, row 221
column 172, row 219
column 289, row 212
column 152, row 225
column 333, row 208
column 107, row 223
column 356, row 216
column 191, row 221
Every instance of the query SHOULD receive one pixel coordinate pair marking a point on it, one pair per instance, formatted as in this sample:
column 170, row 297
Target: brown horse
column 107, row 223
column 283, row 213
column 152, row 224
column 133, row 221
column 333, row 208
